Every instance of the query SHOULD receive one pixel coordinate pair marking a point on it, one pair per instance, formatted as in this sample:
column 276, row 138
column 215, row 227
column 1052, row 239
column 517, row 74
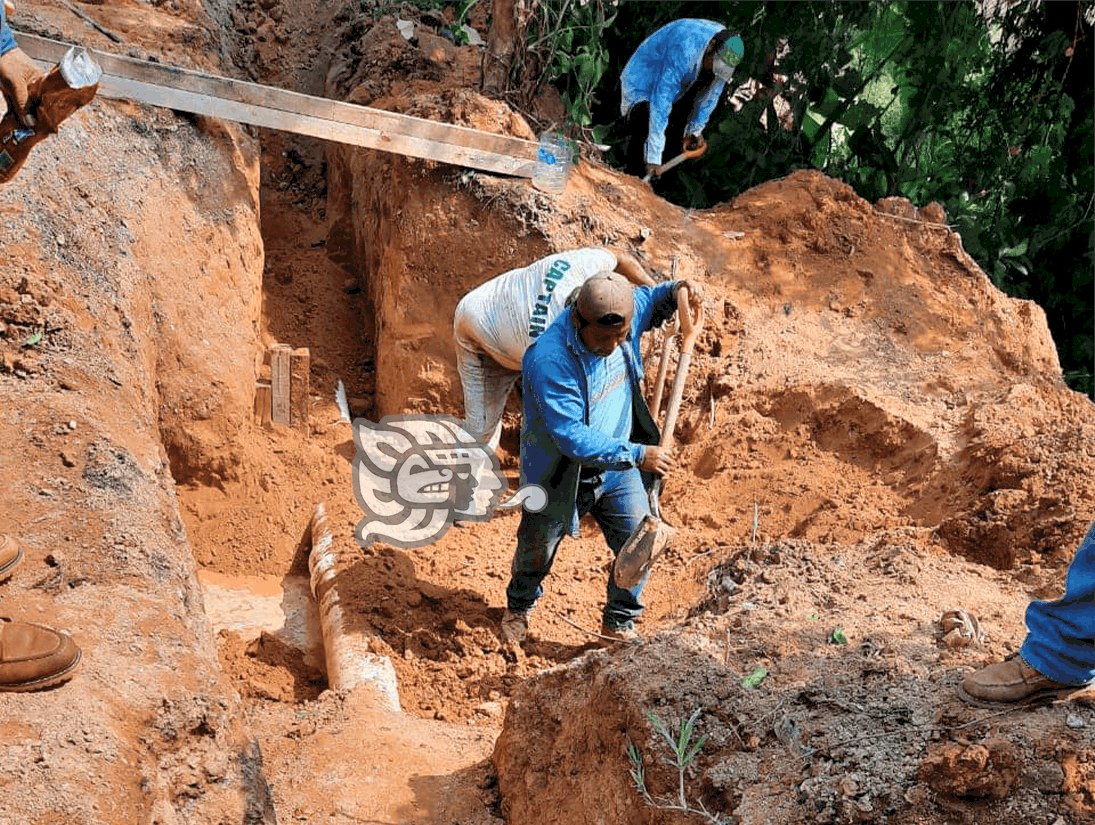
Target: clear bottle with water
column 553, row 162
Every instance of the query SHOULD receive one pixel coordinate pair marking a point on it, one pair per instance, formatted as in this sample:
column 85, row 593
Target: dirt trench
column 873, row 435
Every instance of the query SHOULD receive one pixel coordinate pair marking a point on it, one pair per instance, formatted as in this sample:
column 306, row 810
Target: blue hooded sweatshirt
column 662, row 70
column 556, row 439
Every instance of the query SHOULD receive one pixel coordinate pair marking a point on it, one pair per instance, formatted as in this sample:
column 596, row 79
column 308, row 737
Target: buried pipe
column 350, row 661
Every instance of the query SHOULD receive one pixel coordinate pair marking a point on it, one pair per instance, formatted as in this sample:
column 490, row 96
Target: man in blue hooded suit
column 684, row 64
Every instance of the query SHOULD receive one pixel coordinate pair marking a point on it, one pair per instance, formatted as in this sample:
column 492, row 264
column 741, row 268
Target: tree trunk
column 501, row 44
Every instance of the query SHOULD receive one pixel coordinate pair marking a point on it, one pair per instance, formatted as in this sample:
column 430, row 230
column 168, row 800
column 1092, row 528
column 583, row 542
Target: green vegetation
column 684, row 752
column 566, row 48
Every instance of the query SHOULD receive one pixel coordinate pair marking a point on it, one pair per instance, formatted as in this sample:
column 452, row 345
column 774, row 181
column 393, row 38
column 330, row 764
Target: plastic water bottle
column 553, row 161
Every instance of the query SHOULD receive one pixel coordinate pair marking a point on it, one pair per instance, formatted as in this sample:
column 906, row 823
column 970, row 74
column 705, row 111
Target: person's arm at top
column 628, row 266
column 661, row 104
column 701, row 113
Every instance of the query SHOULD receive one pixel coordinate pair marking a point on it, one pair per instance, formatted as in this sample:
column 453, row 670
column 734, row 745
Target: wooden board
column 279, row 384
column 262, row 402
column 299, row 381
column 205, row 94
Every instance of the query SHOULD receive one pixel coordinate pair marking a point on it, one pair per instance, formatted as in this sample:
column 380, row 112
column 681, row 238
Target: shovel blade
column 639, row 552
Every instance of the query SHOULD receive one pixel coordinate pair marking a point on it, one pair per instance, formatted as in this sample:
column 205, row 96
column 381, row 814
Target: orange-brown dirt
column 872, row 435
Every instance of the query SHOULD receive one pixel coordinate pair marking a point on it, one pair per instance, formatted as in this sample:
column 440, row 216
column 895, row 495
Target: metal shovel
column 652, row 535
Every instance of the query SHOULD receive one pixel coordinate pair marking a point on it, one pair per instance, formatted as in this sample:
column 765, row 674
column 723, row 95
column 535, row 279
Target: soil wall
column 129, row 298
column 418, row 239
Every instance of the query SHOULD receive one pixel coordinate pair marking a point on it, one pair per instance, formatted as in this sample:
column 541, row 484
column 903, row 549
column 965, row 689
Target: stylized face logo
column 415, row 474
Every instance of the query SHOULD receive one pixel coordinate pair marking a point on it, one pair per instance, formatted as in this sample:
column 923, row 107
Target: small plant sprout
column 637, row 771
column 684, row 751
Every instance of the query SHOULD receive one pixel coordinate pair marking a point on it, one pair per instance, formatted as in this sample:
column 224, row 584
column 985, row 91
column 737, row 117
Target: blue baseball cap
column 728, row 57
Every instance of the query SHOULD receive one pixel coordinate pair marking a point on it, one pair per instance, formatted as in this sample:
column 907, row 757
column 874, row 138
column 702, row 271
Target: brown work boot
column 620, row 634
column 34, row 657
column 1012, row 681
column 10, row 555
column 514, row 626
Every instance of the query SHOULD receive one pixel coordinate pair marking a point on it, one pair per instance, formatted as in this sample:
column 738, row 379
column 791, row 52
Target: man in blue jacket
column 687, row 63
column 587, row 434
column 31, row 656
column 1058, row 656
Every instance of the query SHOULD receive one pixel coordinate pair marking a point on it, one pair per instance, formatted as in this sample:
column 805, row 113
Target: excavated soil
column 872, row 436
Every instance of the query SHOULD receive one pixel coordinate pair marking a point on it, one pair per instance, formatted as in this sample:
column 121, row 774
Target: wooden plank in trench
column 299, row 380
column 279, row 383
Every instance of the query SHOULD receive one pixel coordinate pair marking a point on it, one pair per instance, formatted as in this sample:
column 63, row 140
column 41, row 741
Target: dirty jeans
column 1061, row 641
column 618, row 501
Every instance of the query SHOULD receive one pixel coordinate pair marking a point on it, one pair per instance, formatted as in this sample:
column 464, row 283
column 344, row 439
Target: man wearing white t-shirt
column 497, row 321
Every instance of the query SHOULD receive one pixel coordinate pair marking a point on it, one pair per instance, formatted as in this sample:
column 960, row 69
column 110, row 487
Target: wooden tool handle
column 668, row 337
column 691, row 327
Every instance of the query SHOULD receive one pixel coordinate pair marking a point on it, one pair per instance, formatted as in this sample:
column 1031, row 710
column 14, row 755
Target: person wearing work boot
column 32, row 657
column 1058, row 656
column 588, row 438
column 679, row 71
column 497, row 321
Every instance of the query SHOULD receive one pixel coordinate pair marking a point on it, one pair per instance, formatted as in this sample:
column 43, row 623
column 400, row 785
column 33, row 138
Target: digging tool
column 677, row 161
column 668, row 337
column 653, row 534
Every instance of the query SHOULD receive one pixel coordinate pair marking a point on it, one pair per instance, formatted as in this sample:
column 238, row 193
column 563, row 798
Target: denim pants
column 618, row 501
column 1061, row 641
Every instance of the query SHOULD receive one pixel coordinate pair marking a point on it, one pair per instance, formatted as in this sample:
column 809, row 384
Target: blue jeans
column 1061, row 641
column 618, row 500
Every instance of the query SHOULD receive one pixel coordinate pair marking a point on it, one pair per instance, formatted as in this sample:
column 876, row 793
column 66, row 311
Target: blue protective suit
column 662, row 70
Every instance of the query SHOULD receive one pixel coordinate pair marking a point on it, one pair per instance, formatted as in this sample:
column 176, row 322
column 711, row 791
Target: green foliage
column 755, row 678
column 684, row 751
column 683, row 748
column 566, row 47
column 926, row 100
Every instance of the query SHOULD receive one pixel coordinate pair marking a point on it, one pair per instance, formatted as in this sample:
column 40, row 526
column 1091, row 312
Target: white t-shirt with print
column 507, row 313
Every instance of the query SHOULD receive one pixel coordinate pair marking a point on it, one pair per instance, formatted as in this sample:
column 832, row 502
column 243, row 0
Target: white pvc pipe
column 350, row 662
